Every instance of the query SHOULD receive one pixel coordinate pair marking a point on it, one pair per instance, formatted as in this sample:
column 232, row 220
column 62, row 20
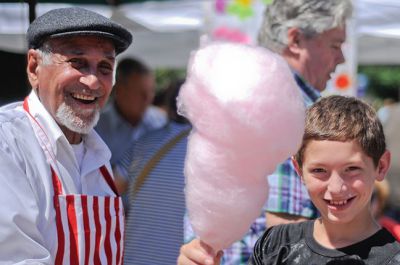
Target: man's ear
column 383, row 165
column 294, row 36
column 32, row 67
column 297, row 168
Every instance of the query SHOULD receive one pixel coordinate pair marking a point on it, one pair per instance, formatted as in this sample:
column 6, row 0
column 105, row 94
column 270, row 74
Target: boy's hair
column 340, row 118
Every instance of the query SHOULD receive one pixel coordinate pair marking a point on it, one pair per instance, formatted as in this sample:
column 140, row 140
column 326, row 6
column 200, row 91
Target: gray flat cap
column 73, row 21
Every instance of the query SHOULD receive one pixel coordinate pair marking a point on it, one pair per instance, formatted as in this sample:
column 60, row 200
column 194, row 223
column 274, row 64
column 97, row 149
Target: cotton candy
column 247, row 115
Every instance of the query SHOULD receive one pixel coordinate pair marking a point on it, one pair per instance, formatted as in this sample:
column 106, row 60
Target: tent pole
column 113, row 2
column 32, row 10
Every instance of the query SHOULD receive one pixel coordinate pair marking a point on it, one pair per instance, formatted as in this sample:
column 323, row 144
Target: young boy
column 343, row 153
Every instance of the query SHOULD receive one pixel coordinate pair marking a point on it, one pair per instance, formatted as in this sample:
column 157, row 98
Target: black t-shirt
column 294, row 244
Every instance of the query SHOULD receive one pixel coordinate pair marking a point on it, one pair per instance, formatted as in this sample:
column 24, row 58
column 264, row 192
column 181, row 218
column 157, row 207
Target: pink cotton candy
column 248, row 116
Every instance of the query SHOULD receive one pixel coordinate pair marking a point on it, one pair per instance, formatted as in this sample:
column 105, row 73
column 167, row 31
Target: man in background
column 130, row 115
column 152, row 169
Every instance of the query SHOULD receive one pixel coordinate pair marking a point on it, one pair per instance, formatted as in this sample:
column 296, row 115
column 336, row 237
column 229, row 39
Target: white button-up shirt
column 28, row 232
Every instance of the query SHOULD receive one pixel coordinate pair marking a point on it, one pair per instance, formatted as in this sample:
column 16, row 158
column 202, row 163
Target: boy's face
column 340, row 178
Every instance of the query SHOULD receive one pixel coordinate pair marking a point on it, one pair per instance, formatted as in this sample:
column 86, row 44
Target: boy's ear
column 297, row 168
column 383, row 165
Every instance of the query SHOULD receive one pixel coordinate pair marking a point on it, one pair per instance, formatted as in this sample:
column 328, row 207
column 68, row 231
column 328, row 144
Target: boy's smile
column 339, row 204
column 340, row 179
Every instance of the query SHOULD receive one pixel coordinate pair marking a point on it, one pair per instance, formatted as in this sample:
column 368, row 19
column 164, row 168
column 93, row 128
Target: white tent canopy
column 378, row 31
column 166, row 32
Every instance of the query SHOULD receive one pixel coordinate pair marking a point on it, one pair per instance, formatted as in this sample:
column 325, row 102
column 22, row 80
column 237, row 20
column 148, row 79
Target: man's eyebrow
column 110, row 57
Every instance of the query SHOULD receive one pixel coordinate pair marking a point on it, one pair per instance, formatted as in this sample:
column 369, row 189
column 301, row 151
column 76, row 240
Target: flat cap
column 74, row 21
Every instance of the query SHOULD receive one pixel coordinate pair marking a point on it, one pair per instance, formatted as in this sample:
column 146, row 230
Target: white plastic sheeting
column 166, row 32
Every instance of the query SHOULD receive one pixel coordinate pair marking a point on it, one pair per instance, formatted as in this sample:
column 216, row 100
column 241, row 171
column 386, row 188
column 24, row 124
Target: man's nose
column 340, row 58
column 91, row 81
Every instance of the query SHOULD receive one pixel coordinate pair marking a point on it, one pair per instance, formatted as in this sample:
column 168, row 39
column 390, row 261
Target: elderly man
column 309, row 35
column 58, row 200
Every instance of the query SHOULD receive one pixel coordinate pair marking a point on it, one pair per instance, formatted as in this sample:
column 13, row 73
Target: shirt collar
column 312, row 93
column 97, row 152
column 46, row 121
column 97, row 149
column 149, row 121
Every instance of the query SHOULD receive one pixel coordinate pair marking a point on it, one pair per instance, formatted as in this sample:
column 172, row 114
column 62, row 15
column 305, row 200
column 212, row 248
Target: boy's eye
column 317, row 170
column 353, row 168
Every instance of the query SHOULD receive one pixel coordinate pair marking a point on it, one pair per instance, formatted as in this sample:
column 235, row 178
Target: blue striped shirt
column 154, row 224
column 119, row 134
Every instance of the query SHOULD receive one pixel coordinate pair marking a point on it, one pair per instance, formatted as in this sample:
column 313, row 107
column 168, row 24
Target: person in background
column 309, row 35
column 378, row 204
column 153, row 172
column 130, row 115
column 391, row 127
column 59, row 204
column 384, row 110
column 310, row 39
column 342, row 155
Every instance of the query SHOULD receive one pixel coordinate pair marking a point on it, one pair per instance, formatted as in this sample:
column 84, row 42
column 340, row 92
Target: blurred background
column 165, row 33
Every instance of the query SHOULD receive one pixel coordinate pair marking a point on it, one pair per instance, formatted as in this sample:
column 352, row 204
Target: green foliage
column 166, row 76
column 384, row 81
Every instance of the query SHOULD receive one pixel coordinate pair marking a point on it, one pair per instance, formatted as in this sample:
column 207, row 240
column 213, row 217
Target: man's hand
column 197, row 252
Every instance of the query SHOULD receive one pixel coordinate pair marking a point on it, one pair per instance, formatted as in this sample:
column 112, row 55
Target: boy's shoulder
column 281, row 241
column 291, row 231
column 283, row 235
column 378, row 249
column 295, row 243
column 383, row 248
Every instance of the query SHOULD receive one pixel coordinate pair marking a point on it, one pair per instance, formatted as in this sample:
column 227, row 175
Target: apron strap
column 141, row 178
column 109, row 179
column 56, row 182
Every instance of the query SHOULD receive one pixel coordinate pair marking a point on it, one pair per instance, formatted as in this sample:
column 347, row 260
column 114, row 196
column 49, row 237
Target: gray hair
column 46, row 51
column 312, row 17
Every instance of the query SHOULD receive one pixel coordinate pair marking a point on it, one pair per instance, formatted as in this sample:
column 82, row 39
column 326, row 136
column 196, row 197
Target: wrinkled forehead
column 81, row 45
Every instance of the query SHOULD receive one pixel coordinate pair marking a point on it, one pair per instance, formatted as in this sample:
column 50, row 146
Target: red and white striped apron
column 89, row 228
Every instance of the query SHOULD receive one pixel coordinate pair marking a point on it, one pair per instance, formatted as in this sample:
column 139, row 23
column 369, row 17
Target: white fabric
column 79, row 151
column 27, row 226
column 167, row 31
column 115, row 223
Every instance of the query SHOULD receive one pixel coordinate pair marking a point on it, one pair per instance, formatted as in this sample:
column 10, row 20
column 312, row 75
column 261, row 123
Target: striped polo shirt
column 154, row 223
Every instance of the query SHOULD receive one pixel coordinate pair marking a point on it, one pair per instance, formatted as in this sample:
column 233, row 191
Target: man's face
column 320, row 55
column 135, row 95
column 77, row 81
